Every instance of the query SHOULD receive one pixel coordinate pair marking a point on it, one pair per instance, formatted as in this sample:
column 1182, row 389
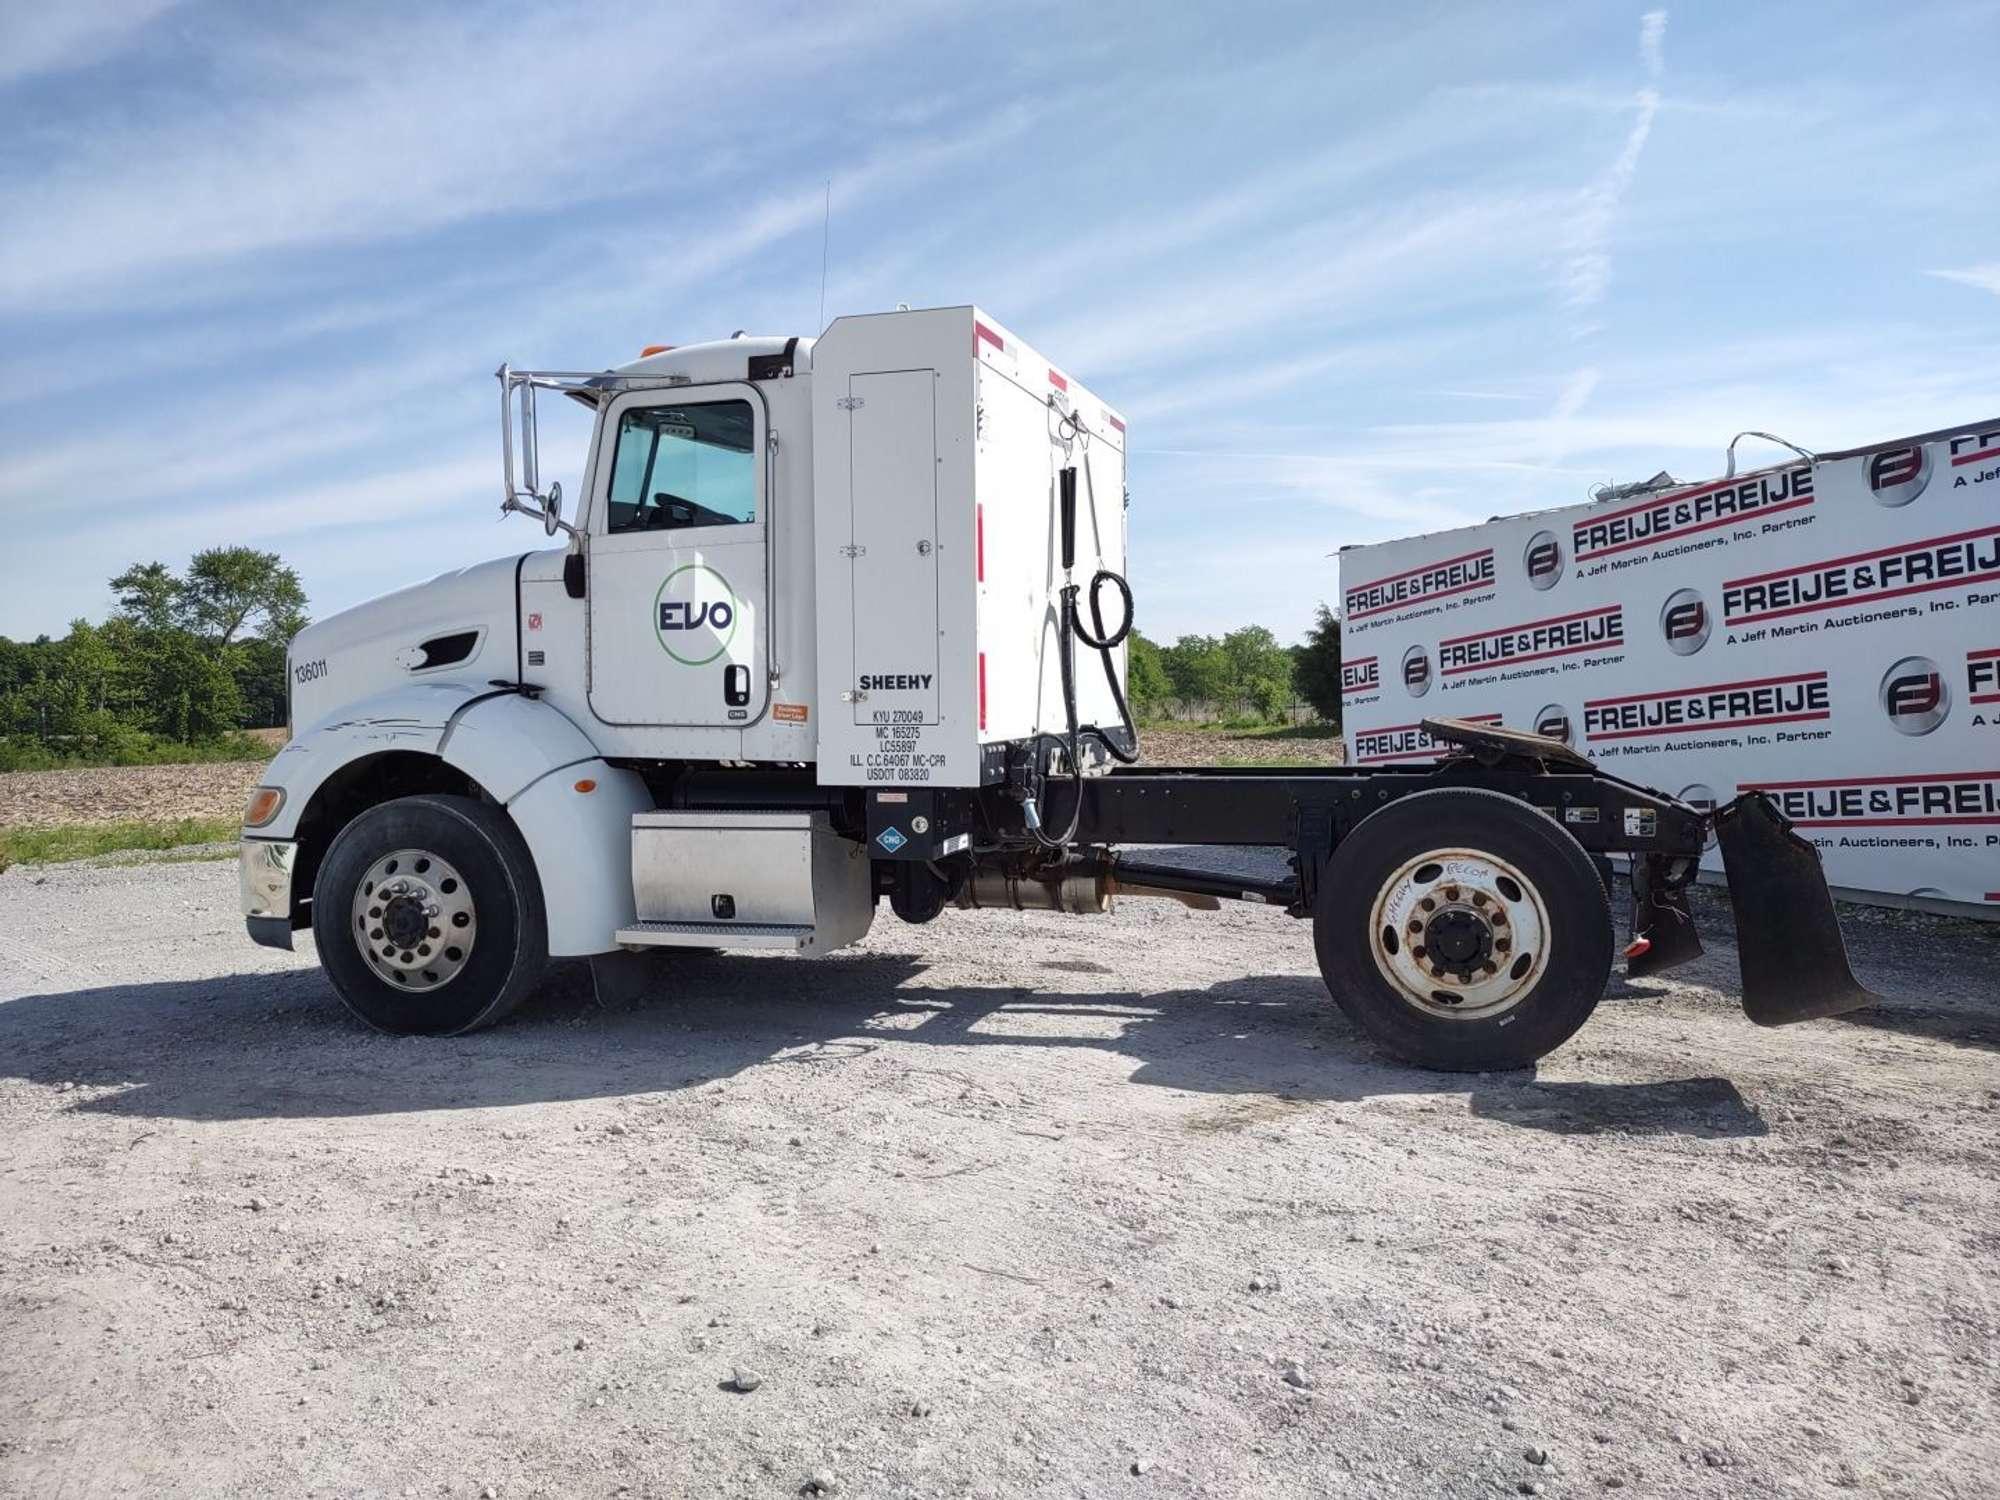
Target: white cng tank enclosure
column 938, row 441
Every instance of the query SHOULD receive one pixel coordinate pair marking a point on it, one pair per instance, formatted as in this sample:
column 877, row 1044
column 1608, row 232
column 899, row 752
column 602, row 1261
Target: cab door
column 679, row 575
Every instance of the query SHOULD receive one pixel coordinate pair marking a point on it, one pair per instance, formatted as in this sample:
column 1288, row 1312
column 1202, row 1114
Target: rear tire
column 428, row 916
column 1463, row 930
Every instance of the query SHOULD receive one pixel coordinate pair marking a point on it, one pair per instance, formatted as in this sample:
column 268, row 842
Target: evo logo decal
column 694, row 614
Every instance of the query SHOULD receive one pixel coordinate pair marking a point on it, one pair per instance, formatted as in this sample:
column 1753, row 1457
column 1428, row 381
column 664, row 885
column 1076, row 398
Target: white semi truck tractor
column 840, row 623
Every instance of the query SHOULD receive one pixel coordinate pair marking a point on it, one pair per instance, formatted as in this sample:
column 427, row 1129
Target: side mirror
column 517, row 389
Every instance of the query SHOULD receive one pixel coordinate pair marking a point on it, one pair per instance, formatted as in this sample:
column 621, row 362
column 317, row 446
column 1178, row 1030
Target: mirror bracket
column 524, row 494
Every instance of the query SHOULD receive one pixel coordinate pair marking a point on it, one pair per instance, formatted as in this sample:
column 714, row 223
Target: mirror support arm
column 526, row 496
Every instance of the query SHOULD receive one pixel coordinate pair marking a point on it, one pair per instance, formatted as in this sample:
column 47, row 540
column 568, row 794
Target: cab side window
column 680, row 466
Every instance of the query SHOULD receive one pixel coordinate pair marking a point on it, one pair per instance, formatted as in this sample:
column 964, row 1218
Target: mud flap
column 1663, row 934
column 1787, row 937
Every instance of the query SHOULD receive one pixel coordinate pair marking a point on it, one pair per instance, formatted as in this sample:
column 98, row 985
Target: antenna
column 825, row 234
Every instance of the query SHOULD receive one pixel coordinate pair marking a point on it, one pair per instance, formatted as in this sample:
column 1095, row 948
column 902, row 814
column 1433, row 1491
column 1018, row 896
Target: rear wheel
column 428, row 916
column 1463, row 930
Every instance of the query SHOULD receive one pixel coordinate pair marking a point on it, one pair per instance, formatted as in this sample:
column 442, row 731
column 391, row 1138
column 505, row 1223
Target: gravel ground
column 1011, row 1205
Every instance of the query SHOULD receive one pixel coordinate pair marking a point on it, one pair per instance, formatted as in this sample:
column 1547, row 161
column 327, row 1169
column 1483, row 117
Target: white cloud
column 1586, row 272
column 349, row 135
column 65, row 34
column 1652, row 34
column 1985, row 278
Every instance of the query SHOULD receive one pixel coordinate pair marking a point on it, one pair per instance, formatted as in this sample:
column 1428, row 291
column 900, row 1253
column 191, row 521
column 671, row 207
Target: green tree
column 1146, row 684
column 1317, row 666
column 1260, row 670
column 190, row 694
column 228, row 588
column 258, row 665
column 1198, row 669
column 149, row 595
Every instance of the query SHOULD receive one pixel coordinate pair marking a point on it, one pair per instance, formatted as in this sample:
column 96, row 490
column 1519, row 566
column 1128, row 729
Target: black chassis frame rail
column 1309, row 812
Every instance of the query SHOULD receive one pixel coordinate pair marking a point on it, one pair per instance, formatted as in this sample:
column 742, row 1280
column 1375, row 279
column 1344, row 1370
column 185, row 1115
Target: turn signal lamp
column 264, row 804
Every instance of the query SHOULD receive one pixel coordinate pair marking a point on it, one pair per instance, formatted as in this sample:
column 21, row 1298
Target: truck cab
column 813, row 586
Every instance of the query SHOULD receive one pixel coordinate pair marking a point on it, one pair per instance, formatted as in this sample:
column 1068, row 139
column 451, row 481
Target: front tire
column 1463, row 930
column 428, row 916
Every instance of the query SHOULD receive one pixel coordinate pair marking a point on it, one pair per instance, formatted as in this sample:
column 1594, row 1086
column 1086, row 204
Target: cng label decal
column 891, row 838
column 694, row 614
column 1899, row 476
column 1915, row 696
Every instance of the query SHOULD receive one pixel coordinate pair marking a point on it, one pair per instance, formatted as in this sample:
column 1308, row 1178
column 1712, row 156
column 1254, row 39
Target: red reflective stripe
column 1115, row 422
column 981, row 331
column 979, row 523
column 982, row 690
column 1057, row 381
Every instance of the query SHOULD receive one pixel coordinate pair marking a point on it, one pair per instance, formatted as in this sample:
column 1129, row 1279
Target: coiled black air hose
column 1104, row 642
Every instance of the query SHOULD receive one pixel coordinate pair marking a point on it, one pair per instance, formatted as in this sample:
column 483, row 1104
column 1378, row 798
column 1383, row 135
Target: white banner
column 1828, row 632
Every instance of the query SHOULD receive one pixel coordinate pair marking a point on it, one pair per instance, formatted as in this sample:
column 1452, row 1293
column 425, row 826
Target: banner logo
column 1455, row 575
column 1899, row 476
column 1801, row 698
column 1684, row 622
column 1958, row 561
column 1982, row 676
column 1914, row 695
column 1543, row 560
column 1417, row 671
column 1588, row 630
column 1553, row 723
column 1927, row 800
column 1361, row 675
column 1406, row 741
column 1727, row 502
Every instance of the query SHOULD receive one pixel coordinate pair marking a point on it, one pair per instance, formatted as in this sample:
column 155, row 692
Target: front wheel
column 1463, row 930
column 428, row 917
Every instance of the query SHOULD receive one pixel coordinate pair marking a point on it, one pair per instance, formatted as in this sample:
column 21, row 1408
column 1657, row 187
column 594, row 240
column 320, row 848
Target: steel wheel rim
column 414, row 920
column 1460, row 934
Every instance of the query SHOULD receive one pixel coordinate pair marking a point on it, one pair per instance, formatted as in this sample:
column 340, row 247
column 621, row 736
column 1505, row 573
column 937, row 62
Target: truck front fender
column 410, row 718
column 573, row 809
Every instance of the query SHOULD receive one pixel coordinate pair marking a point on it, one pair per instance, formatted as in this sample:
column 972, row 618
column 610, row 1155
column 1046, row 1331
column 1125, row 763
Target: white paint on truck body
column 938, row 440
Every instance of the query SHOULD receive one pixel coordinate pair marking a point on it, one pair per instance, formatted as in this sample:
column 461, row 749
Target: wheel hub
column 1460, row 939
column 1460, row 933
column 414, row 919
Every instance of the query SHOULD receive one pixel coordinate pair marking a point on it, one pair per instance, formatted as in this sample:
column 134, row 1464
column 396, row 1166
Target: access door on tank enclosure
column 939, row 439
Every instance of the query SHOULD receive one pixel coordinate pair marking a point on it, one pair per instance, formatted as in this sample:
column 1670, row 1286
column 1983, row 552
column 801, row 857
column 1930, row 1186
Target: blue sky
column 1353, row 273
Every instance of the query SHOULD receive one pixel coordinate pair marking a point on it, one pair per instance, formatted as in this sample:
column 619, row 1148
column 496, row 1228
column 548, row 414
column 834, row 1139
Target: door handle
column 736, row 685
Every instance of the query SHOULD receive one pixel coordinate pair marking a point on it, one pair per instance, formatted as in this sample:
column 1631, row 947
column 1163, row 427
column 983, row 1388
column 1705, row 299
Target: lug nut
column 1499, row 917
column 1479, row 898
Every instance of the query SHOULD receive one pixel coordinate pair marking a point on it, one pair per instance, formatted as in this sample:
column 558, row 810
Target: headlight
column 264, row 804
